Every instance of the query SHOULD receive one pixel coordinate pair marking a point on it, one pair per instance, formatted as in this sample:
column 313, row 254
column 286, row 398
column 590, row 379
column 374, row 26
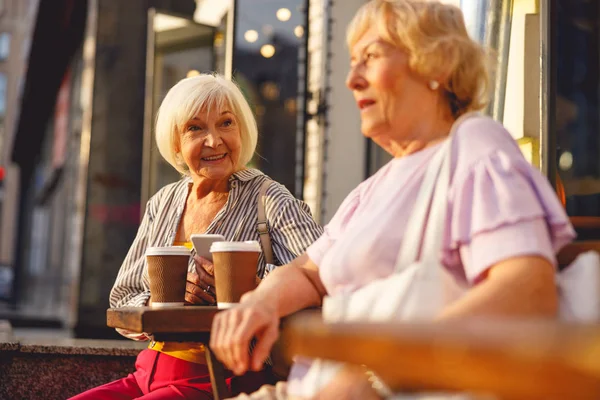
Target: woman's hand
column 350, row 383
column 200, row 285
column 232, row 331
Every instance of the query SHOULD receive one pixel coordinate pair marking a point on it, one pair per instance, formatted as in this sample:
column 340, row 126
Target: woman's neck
column 203, row 188
column 423, row 133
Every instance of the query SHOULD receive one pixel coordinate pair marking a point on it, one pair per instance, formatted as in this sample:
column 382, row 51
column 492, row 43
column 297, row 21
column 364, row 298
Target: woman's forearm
column 290, row 288
column 519, row 287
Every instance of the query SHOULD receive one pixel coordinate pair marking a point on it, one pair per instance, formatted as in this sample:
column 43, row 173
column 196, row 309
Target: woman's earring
column 434, row 85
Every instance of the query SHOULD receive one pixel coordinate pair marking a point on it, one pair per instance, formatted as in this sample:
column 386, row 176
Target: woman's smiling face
column 210, row 143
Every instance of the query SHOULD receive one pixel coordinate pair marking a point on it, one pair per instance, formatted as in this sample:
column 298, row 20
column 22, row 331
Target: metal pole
column 497, row 37
column 548, row 89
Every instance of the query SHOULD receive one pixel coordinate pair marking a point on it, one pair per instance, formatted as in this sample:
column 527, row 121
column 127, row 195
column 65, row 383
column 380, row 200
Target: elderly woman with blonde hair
column 415, row 75
column 206, row 130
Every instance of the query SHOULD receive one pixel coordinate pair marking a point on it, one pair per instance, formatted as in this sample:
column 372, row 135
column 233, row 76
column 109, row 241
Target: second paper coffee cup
column 235, row 270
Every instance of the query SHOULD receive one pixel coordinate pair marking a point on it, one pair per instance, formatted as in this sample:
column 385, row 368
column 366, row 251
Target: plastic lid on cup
column 250, row 245
column 168, row 251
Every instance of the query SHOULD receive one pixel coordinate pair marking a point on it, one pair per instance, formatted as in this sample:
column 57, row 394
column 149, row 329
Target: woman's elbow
column 545, row 295
column 533, row 284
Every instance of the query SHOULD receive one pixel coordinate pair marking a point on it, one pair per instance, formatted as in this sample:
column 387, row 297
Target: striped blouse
column 290, row 223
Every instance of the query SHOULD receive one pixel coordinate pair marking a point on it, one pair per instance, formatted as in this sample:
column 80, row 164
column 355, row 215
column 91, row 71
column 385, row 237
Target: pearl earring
column 434, row 85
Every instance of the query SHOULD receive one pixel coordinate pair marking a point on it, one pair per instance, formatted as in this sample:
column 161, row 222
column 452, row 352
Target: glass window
column 4, row 45
column 577, row 110
column 180, row 48
column 2, row 94
column 268, row 61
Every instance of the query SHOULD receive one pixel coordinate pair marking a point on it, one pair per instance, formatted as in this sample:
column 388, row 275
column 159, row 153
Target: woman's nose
column 213, row 139
column 355, row 80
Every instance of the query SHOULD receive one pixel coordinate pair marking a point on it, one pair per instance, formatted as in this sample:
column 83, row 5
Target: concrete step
column 34, row 367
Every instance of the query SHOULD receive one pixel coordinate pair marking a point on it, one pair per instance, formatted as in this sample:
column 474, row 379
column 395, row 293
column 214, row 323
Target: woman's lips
column 214, row 158
column 365, row 103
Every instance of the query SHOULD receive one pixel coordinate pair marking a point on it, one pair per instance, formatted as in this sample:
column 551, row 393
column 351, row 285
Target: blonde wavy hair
column 435, row 38
column 199, row 93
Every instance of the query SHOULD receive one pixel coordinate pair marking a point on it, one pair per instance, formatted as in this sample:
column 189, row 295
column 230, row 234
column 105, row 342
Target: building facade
column 16, row 20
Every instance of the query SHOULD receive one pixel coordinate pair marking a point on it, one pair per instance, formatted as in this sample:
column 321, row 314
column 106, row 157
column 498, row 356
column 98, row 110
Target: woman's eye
column 370, row 56
column 193, row 128
column 228, row 122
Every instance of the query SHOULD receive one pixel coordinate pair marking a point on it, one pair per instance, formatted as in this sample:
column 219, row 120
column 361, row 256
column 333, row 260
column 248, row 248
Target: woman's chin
column 216, row 172
column 372, row 131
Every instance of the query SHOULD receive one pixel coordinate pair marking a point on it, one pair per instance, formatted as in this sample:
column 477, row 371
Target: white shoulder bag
column 420, row 286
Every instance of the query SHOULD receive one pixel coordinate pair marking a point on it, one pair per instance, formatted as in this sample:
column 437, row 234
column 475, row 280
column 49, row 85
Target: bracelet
column 377, row 384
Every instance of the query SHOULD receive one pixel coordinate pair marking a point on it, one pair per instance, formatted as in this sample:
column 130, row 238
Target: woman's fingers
column 196, row 291
column 193, row 299
column 205, row 282
column 226, row 340
column 237, row 343
column 205, row 264
column 234, row 329
column 264, row 344
column 240, row 341
column 204, row 275
column 219, row 338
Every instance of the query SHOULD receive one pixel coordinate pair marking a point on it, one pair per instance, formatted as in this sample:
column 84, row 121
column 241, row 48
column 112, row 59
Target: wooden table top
column 177, row 323
column 515, row 359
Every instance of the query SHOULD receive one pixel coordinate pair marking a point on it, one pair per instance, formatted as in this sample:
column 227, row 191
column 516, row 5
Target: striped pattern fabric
column 291, row 227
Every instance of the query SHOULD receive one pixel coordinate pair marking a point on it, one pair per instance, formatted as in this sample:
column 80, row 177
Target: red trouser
column 160, row 376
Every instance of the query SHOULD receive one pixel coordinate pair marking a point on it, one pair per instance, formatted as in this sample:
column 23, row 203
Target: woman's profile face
column 210, row 143
column 386, row 91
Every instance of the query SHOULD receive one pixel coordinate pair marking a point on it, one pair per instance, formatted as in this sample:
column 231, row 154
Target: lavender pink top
column 499, row 207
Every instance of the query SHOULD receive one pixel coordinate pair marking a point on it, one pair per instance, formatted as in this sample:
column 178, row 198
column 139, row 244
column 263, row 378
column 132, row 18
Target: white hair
column 186, row 99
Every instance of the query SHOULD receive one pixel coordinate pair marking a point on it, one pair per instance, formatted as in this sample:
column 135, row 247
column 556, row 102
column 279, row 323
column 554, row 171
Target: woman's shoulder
column 253, row 180
column 170, row 190
column 478, row 137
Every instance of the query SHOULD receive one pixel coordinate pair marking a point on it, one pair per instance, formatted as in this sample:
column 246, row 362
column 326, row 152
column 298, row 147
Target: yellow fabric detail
column 187, row 351
column 189, row 245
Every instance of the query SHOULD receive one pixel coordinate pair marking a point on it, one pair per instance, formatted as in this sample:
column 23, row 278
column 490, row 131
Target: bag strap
column 425, row 228
column 436, row 222
column 420, row 218
column 262, row 225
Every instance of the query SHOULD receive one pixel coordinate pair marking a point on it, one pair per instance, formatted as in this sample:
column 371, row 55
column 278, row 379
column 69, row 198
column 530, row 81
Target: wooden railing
column 507, row 358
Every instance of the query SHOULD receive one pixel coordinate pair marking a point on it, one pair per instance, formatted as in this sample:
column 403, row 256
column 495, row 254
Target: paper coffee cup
column 235, row 266
column 167, row 270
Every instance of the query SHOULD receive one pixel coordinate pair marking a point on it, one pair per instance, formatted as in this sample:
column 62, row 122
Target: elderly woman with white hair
column 206, row 130
column 416, row 77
